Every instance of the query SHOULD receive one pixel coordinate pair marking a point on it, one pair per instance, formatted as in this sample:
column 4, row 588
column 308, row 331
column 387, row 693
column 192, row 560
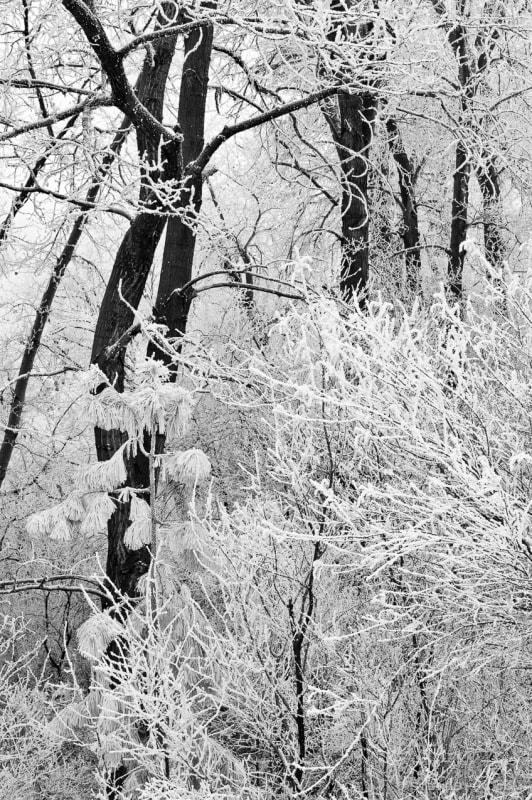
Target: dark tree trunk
column 122, row 296
column 171, row 307
column 351, row 124
column 462, row 171
column 471, row 70
column 459, row 211
column 410, row 228
column 353, row 138
column 125, row 567
column 130, row 272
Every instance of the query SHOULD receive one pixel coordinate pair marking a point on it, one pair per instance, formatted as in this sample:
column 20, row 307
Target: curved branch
column 111, row 61
column 196, row 167
column 49, row 585
column 248, row 287
column 84, row 204
column 171, row 30
column 96, row 101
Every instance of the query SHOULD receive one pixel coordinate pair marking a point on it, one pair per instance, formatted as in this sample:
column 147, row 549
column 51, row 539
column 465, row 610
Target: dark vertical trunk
column 353, row 138
column 351, row 123
column 132, row 266
column 410, row 227
column 123, row 294
column 459, row 211
column 171, row 306
column 462, row 171
column 471, row 69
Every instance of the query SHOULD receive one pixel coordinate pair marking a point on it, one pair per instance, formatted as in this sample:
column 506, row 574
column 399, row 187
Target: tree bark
column 132, row 266
column 351, row 124
column 125, row 567
column 410, row 228
column 171, row 306
column 353, row 140
column 459, row 213
column 124, row 292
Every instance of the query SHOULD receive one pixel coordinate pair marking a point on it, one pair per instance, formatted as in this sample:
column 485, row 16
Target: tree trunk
column 459, row 211
column 132, row 266
column 351, row 124
column 353, row 139
column 128, row 280
column 410, row 228
column 171, row 307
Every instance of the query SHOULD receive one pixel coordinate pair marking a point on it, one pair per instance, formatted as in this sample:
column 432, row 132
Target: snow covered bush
column 358, row 623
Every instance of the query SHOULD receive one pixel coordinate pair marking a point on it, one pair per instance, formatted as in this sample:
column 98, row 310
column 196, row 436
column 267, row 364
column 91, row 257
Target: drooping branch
column 37, row 83
column 85, row 204
column 55, row 583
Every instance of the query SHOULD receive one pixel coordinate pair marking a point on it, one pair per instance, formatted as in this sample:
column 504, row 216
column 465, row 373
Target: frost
column 61, row 531
column 101, row 508
column 105, row 475
column 111, row 713
column 51, row 522
column 42, row 522
column 139, row 531
column 73, row 507
column 188, row 466
column 517, row 460
column 63, row 725
column 96, row 633
column 164, row 407
column 112, row 750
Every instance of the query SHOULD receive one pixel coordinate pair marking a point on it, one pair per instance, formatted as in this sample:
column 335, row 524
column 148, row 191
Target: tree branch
column 96, row 101
column 85, row 204
column 29, row 83
column 196, row 167
column 248, row 287
column 49, row 585
column 171, row 30
column 112, row 64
